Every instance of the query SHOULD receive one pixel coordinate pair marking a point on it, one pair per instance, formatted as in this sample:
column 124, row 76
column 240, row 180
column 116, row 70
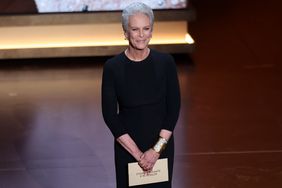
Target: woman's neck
column 137, row 55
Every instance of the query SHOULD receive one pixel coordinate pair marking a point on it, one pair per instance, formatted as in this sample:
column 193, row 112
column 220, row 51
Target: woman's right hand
column 148, row 160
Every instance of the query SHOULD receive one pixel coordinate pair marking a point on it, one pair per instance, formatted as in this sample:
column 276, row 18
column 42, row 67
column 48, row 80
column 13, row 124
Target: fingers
column 148, row 160
column 143, row 164
column 147, row 165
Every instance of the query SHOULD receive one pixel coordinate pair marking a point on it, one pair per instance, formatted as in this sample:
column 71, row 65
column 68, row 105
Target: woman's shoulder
column 158, row 54
column 115, row 61
column 161, row 57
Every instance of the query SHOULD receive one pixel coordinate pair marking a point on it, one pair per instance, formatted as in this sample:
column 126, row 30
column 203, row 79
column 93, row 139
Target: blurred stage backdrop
column 55, row 6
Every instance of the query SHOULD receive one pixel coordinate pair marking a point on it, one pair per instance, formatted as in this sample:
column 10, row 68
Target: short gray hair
column 133, row 9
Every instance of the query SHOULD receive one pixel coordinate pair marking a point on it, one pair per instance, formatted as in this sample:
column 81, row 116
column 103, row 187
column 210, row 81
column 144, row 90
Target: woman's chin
column 141, row 47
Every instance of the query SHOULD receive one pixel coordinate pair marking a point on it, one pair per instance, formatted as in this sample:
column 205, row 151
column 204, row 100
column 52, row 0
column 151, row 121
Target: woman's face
column 139, row 31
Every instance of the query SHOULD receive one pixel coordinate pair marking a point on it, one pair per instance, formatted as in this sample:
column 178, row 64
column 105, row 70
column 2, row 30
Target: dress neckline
column 137, row 62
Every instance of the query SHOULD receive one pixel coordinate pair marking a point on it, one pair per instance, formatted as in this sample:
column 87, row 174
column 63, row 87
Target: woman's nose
column 141, row 34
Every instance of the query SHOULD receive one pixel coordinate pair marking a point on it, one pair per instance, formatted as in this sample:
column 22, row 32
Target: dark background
column 17, row 6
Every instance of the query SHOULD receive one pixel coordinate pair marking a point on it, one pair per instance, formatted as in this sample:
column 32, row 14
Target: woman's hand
column 148, row 160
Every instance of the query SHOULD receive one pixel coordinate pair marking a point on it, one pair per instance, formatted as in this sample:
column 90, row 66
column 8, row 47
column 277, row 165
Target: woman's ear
column 125, row 36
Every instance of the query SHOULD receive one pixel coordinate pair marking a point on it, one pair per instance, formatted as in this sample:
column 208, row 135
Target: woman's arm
column 149, row 158
column 109, row 102
column 110, row 114
column 166, row 134
column 127, row 142
column 172, row 96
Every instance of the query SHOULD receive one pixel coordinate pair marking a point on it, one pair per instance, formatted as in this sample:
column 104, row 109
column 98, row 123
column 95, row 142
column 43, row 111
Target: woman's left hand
column 148, row 160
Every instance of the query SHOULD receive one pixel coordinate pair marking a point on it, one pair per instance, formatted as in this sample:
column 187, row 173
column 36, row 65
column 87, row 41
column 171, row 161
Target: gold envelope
column 136, row 176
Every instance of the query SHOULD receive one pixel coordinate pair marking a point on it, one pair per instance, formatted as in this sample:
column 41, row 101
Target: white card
column 137, row 176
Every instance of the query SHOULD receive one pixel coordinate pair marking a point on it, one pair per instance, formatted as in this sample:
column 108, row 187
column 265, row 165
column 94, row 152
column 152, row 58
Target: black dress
column 140, row 99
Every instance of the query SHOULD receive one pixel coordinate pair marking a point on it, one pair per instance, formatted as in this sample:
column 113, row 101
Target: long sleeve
column 109, row 103
column 172, row 96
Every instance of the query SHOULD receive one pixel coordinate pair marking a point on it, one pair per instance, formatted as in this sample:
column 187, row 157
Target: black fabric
column 140, row 99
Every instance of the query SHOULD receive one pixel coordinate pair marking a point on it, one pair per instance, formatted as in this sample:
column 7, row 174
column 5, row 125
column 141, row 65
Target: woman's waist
column 142, row 108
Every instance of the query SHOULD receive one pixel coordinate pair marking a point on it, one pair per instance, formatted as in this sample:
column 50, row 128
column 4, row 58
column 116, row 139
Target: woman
column 140, row 98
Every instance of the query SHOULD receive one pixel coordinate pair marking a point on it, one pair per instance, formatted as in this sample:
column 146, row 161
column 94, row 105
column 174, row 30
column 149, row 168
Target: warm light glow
column 86, row 44
column 87, row 35
column 189, row 39
column 108, row 42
